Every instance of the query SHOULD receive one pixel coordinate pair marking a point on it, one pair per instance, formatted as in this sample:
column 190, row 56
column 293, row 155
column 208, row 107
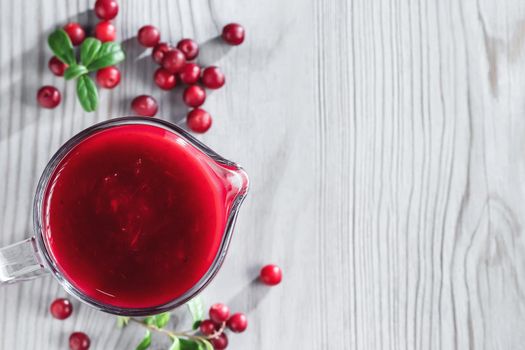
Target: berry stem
column 171, row 334
column 218, row 332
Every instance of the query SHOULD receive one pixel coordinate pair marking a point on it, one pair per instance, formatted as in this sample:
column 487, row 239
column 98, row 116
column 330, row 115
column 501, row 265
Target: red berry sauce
column 131, row 207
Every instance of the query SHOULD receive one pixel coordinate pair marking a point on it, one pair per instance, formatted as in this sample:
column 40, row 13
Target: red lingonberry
column 159, row 51
column 164, row 79
column 144, row 105
column 106, row 9
column 198, row 120
column 194, row 96
column 189, row 48
column 56, row 66
column 271, row 275
column 220, row 342
column 79, row 341
column 75, row 33
column 219, row 313
column 190, row 73
column 105, row 31
column 61, row 308
column 207, row 327
column 237, row 322
column 174, row 60
column 108, row 77
column 148, row 36
column 233, row 34
column 48, row 96
column 212, row 77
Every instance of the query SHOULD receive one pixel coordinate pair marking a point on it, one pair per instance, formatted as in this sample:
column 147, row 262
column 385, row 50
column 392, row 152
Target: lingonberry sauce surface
column 134, row 215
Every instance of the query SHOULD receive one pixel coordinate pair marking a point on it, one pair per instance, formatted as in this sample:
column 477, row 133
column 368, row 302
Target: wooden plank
column 383, row 140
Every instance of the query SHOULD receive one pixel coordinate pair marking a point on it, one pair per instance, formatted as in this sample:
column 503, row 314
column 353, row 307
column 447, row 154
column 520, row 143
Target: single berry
column 190, row 73
column 212, row 77
column 237, row 323
column 56, row 66
column 144, row 105
column 233, row 34
column 61, row 308
column 108, row 77
column 189, row 48
column 194, row 96
column 219, row 313
column 164, row 79
column 207, row 327
column 271, row 275
column 79, row 341
column 198, row 120
column 159, row 51
column 219, row 343
column 48, row 96
column 106, row 9
column 105, row 31
column 75, row 33
column 148, row 36
column 174, row 60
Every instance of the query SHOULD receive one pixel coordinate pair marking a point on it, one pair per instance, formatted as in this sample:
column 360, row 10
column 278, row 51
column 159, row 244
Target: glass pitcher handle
column 20, row 262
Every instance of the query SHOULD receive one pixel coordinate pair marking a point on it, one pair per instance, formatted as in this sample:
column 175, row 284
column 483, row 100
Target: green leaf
column 74, row 71
column 122, row 321
column 87, row 93
column 196, row 307
column 176, row 344
column 205, row 345
column 161, row 320
column 150, row 320
column 146, row 341
column 110, row 54
column 89, row 50
column 188, row 344
column 61, row 46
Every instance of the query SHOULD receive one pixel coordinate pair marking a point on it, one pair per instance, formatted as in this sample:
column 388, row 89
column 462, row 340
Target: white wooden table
column 385, row 143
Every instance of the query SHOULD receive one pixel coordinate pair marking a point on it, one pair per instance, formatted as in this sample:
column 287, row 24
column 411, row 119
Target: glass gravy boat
column 32, row 257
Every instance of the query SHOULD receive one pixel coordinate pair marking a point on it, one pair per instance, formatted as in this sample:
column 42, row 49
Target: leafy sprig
column 186, row 340
column 94, row 55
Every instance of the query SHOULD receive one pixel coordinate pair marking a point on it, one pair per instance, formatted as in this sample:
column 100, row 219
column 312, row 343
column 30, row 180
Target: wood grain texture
column 384, row 144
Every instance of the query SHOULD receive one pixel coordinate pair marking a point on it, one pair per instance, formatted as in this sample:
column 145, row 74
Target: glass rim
column 50, row 263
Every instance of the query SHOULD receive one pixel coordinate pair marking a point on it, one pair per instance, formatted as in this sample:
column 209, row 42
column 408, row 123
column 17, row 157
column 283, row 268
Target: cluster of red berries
column 49, row 96
column 105, row 30
column 176, row 66
column 61, row 309
column 219, row 320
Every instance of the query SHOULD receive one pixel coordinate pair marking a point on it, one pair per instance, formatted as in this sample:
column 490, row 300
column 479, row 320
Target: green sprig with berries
column 185, row 340
column 94, row 55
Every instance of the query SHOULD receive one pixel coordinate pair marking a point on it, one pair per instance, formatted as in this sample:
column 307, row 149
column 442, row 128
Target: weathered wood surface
column 384, row 140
